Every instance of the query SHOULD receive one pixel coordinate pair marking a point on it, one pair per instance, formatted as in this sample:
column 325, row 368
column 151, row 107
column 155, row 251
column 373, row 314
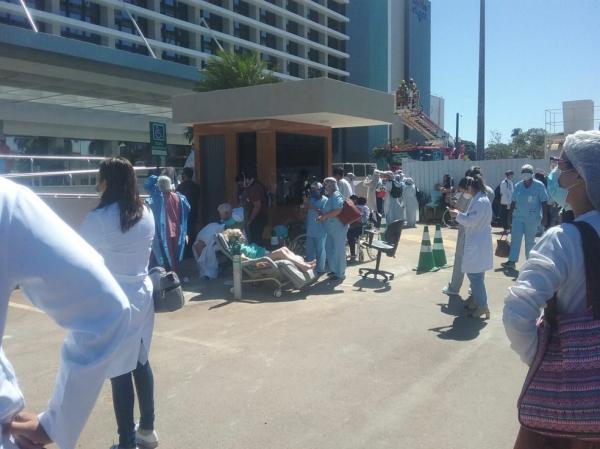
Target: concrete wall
column 436, row 110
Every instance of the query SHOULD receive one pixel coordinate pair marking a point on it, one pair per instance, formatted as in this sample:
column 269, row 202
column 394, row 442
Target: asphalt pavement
column 357, row 365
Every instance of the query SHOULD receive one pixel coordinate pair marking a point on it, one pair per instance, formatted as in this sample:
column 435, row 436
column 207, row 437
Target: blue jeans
column 315, row 250
column 478, row 288
column 124, row 400
column 520, row 228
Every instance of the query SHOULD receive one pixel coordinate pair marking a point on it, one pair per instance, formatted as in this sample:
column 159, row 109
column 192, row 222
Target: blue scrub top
column 314, row 229
column 528, row 201
column 334, row 202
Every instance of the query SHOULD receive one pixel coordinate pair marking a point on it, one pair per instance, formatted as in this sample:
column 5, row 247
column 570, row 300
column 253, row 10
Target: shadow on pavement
column 508, row 272
column 374, row 285
column 462, row 328
column 455, row 306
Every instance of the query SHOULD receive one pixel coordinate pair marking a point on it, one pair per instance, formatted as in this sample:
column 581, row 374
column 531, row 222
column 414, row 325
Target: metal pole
column 29, row 18
column 481, row 93
column 457, row 124
column 210, row 31
column 135, row 24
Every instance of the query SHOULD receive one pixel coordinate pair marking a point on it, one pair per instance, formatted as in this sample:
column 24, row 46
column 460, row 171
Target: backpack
column 497, row 190
column 396, row 191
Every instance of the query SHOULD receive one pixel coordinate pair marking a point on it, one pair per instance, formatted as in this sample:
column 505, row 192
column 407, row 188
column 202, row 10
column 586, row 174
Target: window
column 215, row 22
column 314, row 73
column 268, row 39
column 241, row 50
column 84, row 11
column 272, row 61
column 268, row 17
column 313, row 55
column 336, row 44
column 336, row 77
column 293, row 27
column 337, row 63
column 216, row 2
column 242, row 31
column 175, row 57
column 20, row 21
column 293, row 68
column 313, row 15
column 314, row 36
column 293, row 48
column 241, row 7
column 209, row 45
column 124, row 23
column 175, row 36
column 174, row 8
column 292, row 6
column 340, row 8
column 336, row 25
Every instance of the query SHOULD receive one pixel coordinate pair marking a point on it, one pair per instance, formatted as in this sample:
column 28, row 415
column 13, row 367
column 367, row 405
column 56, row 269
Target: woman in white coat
column 478, row 252
column 410, row 202
column 64, row 277
column 121, row 229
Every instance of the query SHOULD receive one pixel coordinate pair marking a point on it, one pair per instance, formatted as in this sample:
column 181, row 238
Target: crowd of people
column 110, row 327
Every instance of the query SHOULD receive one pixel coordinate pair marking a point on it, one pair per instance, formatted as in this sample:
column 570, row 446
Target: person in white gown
column 121, row 229
column 556, row 263
column 65, row 277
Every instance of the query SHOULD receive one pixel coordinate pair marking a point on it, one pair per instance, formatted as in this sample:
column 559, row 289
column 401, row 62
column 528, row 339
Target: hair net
column 225, row 207
column 333, row 181
column 316, row 185
column 583, row 151
column 164, row 184
column 527, row 167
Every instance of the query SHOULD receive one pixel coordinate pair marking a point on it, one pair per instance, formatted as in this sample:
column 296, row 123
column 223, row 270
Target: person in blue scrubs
column 315, row 231
column 529, row 206
column 335, row 244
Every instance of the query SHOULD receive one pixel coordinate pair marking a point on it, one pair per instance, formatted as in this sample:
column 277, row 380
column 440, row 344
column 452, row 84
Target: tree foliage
column 229, row 70
column 523, row 144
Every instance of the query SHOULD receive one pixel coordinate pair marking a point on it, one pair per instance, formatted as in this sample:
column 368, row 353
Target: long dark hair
column 476, row 182
column 121, row 188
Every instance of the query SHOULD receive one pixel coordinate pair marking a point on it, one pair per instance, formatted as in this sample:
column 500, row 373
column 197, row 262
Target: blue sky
column 539, row 53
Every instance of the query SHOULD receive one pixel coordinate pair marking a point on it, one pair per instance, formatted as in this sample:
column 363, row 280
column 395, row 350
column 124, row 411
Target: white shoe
column 146, row 438
column 446, row 291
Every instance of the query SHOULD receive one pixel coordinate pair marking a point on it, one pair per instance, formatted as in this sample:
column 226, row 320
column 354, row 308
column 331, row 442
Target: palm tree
column 230, row 70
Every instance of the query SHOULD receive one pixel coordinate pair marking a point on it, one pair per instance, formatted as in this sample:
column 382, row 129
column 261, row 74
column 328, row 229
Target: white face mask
column 526, row 176
column 467, row 196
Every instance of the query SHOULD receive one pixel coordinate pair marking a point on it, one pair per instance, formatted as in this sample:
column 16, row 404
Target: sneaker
column 146, row 438
column 508, row 265
column 446, row 291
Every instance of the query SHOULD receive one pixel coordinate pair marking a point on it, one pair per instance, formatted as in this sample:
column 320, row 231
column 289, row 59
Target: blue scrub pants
column 521, row 227
column 315, row 250
column 478, row 288
column 335, row 247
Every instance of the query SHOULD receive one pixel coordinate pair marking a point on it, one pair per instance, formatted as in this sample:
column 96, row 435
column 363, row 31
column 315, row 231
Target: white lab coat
column 411, row 204
column 478, row 254
column 126, row 255
column 506, row 191
column 393, row 208
column 65, row 277
column 207, row 262
column 555, row 265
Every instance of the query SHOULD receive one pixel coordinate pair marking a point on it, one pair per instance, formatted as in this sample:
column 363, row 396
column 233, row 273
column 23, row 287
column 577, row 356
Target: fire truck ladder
column 417, row 120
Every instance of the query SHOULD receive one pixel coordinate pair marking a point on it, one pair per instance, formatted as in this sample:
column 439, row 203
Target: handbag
column 561, row 393
column 502, row 246
column 167, row 292
column 350, row 213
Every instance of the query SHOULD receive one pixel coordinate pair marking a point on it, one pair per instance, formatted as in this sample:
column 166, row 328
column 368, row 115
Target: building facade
column 390, row 40
column 298, row 38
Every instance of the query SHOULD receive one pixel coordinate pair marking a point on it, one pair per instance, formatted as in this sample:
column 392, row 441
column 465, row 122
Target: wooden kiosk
column 276, row 129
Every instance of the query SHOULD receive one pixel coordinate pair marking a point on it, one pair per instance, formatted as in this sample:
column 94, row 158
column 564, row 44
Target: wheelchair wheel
column 298, row 246
column 447, row 220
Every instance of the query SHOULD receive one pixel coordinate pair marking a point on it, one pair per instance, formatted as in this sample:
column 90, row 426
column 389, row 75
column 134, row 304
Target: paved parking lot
column 355, row 365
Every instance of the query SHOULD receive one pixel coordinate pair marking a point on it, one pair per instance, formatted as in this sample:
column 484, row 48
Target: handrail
column 61, row 158
column 63, row 173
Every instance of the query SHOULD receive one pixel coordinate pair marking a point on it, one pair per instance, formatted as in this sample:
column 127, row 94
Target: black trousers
column 255, row 229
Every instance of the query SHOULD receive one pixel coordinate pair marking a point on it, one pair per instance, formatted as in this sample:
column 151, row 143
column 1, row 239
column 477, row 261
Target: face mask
column 322, row 191
column 558, row 194
column 526, row 176
column 570, row 187
column 467, row 196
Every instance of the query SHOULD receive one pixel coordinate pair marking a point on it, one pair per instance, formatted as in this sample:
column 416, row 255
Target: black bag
column 167, row 293
column 396, row 191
